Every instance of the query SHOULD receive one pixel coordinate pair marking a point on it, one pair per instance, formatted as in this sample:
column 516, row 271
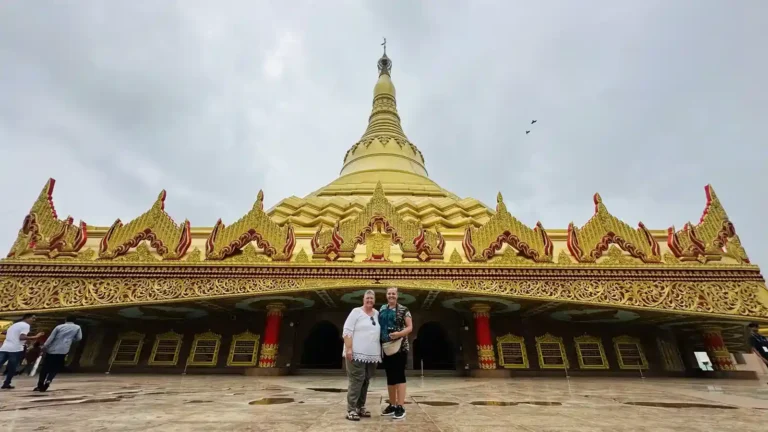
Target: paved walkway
column 292, row 404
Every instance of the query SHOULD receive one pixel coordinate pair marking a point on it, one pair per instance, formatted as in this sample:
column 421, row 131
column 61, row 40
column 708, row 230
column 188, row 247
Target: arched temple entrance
column 434, row 348
column 322, row 347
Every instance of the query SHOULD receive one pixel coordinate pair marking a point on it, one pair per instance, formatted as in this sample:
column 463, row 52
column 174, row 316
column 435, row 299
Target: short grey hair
column 371, row 292
column 394, row 288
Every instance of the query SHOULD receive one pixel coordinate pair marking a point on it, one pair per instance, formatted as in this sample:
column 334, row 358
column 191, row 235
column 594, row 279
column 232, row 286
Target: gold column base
column 268, row 356
column 486, row 358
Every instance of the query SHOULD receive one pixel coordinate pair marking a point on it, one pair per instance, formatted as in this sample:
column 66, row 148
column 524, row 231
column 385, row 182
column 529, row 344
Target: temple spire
column 384, row 117
column 384, row 146
column 385, row 64
column 384, row 155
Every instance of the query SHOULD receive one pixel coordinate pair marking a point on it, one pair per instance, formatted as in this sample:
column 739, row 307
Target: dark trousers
column 394, row 365
column 52, row 364
column 13, row 359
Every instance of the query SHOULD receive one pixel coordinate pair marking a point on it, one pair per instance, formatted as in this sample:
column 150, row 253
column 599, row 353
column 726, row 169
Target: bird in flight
column 527, row 132
column 533, row 121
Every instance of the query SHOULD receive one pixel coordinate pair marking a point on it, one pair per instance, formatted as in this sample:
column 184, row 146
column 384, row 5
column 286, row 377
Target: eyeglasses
column 373, row 321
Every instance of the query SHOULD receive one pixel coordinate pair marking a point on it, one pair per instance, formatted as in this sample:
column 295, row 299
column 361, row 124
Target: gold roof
column 382, row 162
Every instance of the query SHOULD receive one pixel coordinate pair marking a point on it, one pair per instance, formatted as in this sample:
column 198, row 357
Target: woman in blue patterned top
column 396, row 325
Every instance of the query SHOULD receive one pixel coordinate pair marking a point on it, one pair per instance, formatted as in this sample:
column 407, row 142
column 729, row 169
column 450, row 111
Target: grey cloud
column 644, row 102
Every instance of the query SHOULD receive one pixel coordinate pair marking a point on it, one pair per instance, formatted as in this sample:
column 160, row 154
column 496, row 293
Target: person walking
column 362, row 351
column 55, row 351
column 396, row 325
column 12, row 349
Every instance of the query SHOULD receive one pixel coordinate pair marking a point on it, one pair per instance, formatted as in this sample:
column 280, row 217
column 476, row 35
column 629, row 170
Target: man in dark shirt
column 759, row 343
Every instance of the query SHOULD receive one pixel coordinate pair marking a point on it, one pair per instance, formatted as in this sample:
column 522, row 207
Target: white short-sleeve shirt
column 365, row 333
column 13, row 341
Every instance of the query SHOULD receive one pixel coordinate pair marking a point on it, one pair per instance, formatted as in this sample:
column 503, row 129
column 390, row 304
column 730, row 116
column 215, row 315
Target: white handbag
column 392, row 347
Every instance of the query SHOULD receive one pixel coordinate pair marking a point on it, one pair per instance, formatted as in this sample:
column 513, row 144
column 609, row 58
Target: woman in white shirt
column 362, row 350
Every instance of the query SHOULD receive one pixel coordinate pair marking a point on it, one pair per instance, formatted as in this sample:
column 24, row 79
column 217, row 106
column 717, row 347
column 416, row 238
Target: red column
column 716, row 350
column 268, row 355
column 485, row 355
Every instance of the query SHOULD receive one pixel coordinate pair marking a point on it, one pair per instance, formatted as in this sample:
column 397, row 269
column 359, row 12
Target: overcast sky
column 645, row 102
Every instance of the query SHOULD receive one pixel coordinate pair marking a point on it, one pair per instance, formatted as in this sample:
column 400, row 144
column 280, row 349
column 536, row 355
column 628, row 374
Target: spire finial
column 385, row 64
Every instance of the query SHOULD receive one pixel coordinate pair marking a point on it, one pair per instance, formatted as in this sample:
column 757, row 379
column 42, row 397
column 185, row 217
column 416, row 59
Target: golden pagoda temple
column 490, row 295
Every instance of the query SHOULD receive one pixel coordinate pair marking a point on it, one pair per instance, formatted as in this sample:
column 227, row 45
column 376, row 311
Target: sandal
column 362, row 412
column 352, row 415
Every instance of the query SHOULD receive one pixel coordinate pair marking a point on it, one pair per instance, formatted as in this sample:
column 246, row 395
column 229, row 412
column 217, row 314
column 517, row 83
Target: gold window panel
column 244, row 350
column 591, row 352
column 165, row 351
column 551, row 352
column 205, row 350
column 512, row 353
column 673, row 361
column 127, row 349
column 630, row 353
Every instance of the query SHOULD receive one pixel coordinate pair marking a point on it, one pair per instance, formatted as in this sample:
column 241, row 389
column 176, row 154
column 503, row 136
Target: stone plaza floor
column 122, row 402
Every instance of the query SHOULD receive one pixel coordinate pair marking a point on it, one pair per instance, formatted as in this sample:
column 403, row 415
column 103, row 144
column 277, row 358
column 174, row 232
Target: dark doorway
column 322, row 347
column 433, row 347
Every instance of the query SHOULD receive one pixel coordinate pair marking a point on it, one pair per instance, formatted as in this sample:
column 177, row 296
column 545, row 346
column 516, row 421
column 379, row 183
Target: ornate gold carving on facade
column 722, row 298
column 670, row 258
column 615, row 257
column 591, row 353
column 701, row 261
column 456, row 257
column 713, row 237
column 446, row 211
column 302, row 257
column 256, row 226
column 512, row 352
column 564, row 259
column 551, row 352
column 629, row 352
column 434, row 284
column 533, row 244
column 86, row 255
column 170, row 240
column 205, row 349
column 379, row 215
column 244, row 349
column 377, row 245
column 734, row 299
column 141, row 254
column 165, row 351
column 735, row 250
column 74, row 293
column 127, row 349
column 195, row 256
column 42, row 233
column 588, row 243
column 510, row 257
column 247, row 255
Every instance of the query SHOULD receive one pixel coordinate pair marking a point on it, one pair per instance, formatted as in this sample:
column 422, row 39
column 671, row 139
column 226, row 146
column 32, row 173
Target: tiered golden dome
column 385, row 155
